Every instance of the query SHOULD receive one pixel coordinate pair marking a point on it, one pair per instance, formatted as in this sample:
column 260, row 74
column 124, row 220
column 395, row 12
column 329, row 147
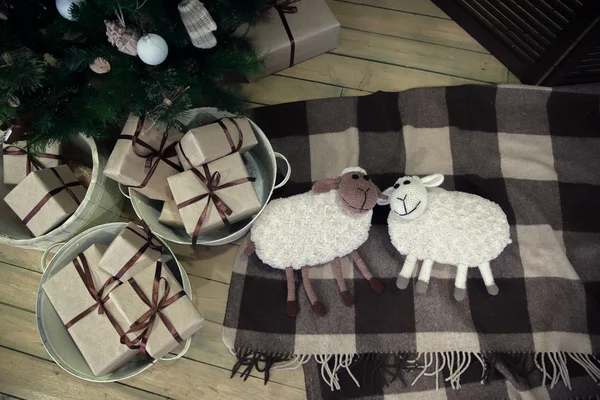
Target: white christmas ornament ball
column 152, row 49
column 63, row 7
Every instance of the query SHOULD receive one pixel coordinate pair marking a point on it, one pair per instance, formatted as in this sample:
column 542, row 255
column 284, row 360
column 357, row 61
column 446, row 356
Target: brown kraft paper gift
column 18, row 161
column 214, row 195
column 292, row 32
column 134, row 249
column 158, row 312
column 210, row 142
column 45, row 198
column 169, row 215
column 144, row 157
column 80, row 295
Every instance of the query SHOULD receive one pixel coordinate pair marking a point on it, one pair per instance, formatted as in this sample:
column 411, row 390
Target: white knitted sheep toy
column 453, row 228
column 316, row 228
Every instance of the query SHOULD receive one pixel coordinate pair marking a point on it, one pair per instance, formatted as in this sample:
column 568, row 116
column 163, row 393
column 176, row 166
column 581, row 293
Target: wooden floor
column 384, row 45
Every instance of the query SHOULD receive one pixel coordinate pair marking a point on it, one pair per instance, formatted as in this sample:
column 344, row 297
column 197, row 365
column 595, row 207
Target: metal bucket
column 56, row 339
column 261, row 164
column 102, row 202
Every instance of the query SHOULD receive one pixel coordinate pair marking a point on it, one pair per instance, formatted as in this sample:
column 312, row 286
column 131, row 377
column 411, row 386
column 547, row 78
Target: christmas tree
column 80, row 66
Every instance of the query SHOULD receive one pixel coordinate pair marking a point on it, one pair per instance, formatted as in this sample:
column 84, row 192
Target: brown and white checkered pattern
column 534, row 151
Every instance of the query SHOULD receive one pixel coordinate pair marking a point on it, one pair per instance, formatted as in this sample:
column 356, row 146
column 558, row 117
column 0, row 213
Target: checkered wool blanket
column 535, row 152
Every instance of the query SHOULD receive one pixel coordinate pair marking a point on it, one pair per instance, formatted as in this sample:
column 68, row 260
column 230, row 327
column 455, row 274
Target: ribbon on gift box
column 32, row 159
column 155, row 156
column 212, row 183
column 227, row 133
column 52, row 193
column 284, row 7
column 100, row 297
column 146, row 321
column 148, row 245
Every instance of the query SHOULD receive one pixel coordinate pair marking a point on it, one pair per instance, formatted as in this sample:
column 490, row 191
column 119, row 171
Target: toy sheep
column 316, row 228
column 453, row 228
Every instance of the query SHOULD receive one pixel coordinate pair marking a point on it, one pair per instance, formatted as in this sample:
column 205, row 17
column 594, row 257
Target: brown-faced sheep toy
column 318, row 227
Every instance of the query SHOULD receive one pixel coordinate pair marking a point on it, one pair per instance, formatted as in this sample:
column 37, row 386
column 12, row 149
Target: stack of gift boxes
column 122, row 300
column 200, row 175
column 47, row 192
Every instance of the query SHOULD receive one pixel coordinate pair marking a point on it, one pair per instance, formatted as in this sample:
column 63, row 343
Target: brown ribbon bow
column 155, row 156
column 285, row 7
column 148, row 245
column 83, row 269
column 145, row 323
column 32, row 159
column 53, row 192
column 212, row 183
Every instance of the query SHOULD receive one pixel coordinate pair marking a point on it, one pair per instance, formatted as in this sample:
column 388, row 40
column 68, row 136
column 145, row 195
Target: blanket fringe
column 383, row 369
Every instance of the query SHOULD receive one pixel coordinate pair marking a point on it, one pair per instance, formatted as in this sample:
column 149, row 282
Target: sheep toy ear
column 325, row 185
column 387, row 193
column 432, row 180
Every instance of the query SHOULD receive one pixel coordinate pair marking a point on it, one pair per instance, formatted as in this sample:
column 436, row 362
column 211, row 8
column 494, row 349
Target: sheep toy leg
column 460, row 284
column 424, row 275
column 488, row 279
column 291, row 306
column 406, row 272
column 317, row 307
column 375, row 283
column 347, row 297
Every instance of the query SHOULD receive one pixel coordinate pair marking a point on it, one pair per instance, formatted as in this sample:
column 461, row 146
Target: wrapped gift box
column 93, row 333
column 45, row 198
column 210, row 142
column 169, row 215
column 18, row 162
column 292, row 34
column 135, row 298
column 224, row 181
column 146, row 164
column 134, row 249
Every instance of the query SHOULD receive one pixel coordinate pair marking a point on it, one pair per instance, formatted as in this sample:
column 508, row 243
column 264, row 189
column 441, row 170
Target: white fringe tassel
column 330, row 375
column 557, row 368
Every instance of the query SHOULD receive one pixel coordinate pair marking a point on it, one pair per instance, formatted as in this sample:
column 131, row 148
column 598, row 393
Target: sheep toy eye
column 396, row 186
column 406, row 182
column 367, row 177
column 354, row 176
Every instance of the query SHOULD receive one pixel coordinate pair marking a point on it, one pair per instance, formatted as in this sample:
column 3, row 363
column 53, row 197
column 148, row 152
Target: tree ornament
column 100, row 66
column 198, row 23
column 64, row 8
column 152, row 49
column 123, row 38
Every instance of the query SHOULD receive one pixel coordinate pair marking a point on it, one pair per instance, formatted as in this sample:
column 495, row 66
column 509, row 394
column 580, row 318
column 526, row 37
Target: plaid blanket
column 534, row 151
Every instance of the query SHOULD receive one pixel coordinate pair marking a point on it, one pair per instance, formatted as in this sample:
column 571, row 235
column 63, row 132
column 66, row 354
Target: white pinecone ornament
column 123, row 38
column 198, row 23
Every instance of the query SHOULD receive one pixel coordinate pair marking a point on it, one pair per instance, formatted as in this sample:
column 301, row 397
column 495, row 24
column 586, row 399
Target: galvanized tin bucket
column 56, row 339
column 261, row 164
column 102, row 202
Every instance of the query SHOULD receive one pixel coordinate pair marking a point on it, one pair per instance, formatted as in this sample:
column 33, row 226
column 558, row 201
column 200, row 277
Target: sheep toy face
column 408, row 197
column 357, row 193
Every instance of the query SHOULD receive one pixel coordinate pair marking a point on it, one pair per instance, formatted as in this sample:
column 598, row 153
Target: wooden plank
column 403, row 25
column 210, row 298
column 512, row 78
column 187, row 379
column 19, row 331
column 423, row 7
column 25, row 258
column 214, row 263
column 31, row 378
column 367, row 75
column 18, row 286
column 346, row 92
column 408, row 53
column 276, row 89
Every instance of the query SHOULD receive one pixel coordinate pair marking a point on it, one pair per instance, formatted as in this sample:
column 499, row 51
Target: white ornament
column 152, row 49
column 63, row 7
